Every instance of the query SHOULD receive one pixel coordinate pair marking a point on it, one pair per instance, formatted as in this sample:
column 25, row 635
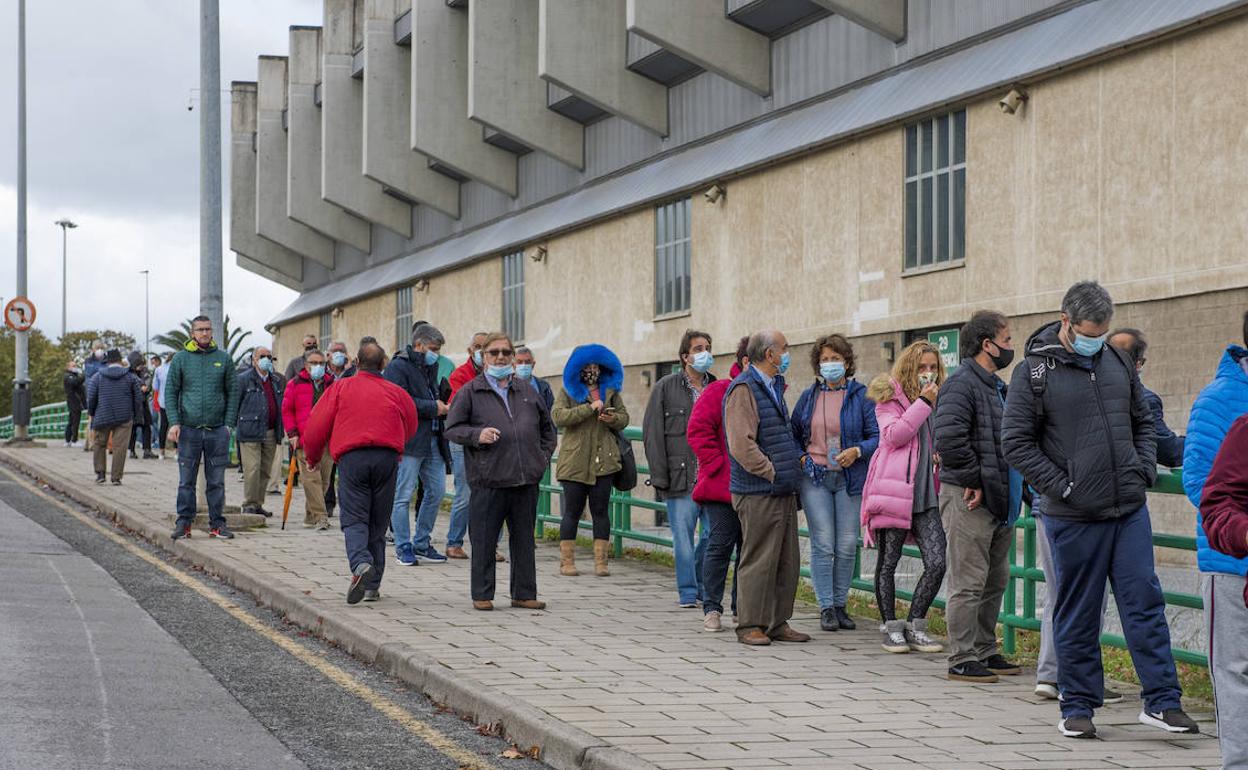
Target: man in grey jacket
column 671, row 461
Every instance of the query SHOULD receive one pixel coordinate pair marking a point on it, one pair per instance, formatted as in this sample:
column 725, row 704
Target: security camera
column 714, row 194
column 1010, row 103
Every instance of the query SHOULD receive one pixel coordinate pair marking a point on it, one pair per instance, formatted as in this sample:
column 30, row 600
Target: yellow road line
column 384, row 705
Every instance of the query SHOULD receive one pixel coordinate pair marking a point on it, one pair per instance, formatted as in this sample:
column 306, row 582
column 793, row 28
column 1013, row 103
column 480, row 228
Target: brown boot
column 567, row 560
column 600, row 557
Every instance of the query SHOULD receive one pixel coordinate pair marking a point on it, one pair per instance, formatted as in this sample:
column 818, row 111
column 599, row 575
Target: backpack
column 1038, row 368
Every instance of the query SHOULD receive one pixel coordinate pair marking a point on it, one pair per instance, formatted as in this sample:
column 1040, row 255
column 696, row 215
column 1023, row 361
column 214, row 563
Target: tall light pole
column 210, row 166
column 147, row 329
column 21, row 379
column 65, row 226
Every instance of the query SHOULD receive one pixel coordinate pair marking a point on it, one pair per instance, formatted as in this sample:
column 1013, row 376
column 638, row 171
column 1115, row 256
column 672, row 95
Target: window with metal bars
column 326, row 330
column 402, row 317
column 936, row 191
column 672, row 257
column 513, row 296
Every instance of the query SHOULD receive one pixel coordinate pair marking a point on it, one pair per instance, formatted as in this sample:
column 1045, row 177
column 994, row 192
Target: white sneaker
column 917, row 638
column 894, row 633
column 1046, row 690
column 712, row 622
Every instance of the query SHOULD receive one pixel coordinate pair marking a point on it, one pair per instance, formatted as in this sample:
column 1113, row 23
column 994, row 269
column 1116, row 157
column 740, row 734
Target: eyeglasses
column 500, row 353
column 204, row 330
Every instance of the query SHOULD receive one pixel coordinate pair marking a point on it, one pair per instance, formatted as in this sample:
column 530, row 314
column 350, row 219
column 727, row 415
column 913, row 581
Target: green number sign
column 947, row 342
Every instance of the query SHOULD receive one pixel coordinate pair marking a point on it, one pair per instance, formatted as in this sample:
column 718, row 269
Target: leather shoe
column 754, row 638
column 482, row 604
column 498, row 557
column 528, row 604
column 455, row 552
column 844, row 620
column 787, row 634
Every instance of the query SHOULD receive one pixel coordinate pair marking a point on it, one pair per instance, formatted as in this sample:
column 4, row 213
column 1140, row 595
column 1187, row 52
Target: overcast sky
column 112, row 146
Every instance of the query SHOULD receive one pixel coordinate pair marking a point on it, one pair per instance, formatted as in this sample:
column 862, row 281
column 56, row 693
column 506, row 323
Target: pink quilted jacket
column 888, row 496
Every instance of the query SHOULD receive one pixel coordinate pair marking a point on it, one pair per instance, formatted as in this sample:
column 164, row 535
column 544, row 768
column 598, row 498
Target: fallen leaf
column 512, row 754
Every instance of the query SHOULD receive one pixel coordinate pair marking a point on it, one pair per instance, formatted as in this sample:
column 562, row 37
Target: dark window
column 672, row 257
column 513, row 295
column 935, row 187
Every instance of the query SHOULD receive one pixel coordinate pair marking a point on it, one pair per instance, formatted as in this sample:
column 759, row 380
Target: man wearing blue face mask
column 673, row 468
column 259, row 425
column 1077, row 426
column 338, row 363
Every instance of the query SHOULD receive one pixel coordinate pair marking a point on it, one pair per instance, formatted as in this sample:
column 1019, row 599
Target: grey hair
column 427, row 334
column 1088, row 301
column 522, row 349
column 759, row 344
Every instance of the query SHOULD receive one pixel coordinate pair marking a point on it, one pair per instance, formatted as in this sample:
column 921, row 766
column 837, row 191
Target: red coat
column 462, row 375
column 361, row 411
column 1224, row 503
column 297, row 401
column 710, row 444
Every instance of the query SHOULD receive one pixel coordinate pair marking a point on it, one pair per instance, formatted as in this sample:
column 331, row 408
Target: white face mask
column 926, row 378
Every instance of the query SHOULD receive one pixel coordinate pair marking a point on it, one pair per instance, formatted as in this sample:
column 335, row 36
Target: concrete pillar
column 887, row 17
column 256, row 254
column 441, row 127
column 699, row 31
column 303, row 142
column 272, row 221
column 342, row 129
column 582, row 47
column 504, row 90
column 388, row 154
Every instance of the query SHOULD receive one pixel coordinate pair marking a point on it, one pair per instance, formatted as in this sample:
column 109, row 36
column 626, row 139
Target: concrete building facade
column 817, row 167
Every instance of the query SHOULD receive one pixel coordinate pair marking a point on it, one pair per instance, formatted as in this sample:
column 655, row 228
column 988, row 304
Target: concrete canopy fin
column 303, row 141
column 441, row 127
column 264, row 271
column 887, row 17
column 272, row 221
column 388, row 154
column 504, row 90
column 342, row 129
column 582, row 48
column 266, row 258
column 699, row 31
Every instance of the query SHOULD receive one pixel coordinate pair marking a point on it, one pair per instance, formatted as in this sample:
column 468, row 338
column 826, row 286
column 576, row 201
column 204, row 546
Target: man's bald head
column 371, row 357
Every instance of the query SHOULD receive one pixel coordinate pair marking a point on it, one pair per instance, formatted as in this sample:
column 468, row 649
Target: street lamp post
column 147, row 330
column 21, row 379
column 210, row 165
column 65, row 226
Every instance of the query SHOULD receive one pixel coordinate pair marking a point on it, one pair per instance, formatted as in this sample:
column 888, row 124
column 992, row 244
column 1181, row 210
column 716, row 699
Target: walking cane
column 290, row 487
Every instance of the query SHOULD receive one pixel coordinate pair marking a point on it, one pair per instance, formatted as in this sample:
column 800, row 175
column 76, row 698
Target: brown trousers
column 120, row 435
column 314, row 479
column 257, row 460
column 978, row 572
column 770, row 563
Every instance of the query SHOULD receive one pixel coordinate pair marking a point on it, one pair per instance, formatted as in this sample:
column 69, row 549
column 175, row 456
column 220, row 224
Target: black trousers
column 164, row 427
column 71, row 426
column 143, row 424
column 574, row 496
column 366, row 479
column 488, row 509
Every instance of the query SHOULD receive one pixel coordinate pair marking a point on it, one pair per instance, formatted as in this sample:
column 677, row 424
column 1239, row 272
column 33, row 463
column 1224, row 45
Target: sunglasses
column 500, row 352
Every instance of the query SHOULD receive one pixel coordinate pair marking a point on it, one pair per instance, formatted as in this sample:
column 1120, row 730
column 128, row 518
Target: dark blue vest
column 775, row 439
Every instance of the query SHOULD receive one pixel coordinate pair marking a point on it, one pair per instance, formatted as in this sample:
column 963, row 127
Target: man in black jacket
column 1079, row 430
column 508, row 438
column 673, row 468
column 980, row 497
column 259, row 426
column 75, row 401
column 114, row 401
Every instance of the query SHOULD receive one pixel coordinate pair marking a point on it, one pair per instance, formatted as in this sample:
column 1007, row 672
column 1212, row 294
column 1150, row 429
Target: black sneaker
column 1170, row 720
column 116, row 482
column 222, row 532
column 1079, row 727
column 181, row 532
column 827, row 619
column 972, row 671
column 265, row 513
column 361, row 573
column 1110, row 697
column 371, row 595
column 997, row 664
column 844, row 620
column 100, row 478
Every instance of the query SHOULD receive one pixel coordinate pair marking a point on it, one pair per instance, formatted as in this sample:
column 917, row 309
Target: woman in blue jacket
column 834, row 422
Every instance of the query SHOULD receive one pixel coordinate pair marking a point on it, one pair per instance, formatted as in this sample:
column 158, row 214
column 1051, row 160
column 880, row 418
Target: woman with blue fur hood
column 589, row 410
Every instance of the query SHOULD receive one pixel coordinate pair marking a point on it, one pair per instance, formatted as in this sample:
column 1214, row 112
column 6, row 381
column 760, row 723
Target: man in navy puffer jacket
column 115, row 400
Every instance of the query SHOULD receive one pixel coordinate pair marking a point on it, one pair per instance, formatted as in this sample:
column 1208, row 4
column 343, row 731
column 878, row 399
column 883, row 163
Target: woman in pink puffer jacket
column 899, row 500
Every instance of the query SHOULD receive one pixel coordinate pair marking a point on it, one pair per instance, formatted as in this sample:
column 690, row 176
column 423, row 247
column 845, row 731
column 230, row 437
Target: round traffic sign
column 19, row 314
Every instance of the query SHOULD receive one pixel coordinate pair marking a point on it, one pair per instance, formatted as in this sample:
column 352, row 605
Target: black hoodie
column 1090, row 447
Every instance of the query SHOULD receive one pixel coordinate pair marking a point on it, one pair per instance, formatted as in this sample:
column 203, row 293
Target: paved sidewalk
column 614, row 662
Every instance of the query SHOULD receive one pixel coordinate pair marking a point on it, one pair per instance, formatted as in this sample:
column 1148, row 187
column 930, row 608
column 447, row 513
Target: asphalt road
column 112, row 656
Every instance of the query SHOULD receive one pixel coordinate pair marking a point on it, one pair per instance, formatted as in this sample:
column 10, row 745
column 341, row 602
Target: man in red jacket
column 1224, row 516
column 365, row 421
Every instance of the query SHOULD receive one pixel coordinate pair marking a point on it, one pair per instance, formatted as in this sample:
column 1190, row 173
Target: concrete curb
column 561, row 745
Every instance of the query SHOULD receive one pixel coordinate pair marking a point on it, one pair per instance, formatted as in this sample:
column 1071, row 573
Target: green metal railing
column 1018, row 609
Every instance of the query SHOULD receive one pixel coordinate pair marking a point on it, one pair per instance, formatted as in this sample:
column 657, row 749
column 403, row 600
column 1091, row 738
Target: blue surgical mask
column 524, row 371
column 1088, row 346
column 832, row 371
column 702, row 361
column 338, row 357
column 265, row 363
column 317, row 371
column 785, row 360
column 431, row 358
column 500, row 371
column 476, row 358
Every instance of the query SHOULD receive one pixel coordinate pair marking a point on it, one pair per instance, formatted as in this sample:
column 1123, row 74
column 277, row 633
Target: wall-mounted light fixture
column 538, row 254
column 1011, row 102
column 337, row 312
column 645, row 379
column 421, row 285
column 715, row 193
column 887, row 351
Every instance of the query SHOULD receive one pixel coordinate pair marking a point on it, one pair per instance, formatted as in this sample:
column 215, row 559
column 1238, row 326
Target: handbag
column 625, row 478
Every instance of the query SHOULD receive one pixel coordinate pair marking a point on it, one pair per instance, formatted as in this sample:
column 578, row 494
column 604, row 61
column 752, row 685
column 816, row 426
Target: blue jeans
column 683, row 515
column 212, row 446
column 832, row 518
column 459, row 506
column 723, row 538
column 431, row 472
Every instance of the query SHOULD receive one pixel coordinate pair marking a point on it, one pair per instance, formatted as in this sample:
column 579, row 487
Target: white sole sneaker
column 1046, row 691
column 1076, row 733
column 1155, row 721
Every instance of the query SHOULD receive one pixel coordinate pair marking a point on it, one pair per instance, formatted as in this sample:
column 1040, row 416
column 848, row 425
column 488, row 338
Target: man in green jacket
column 199, row 399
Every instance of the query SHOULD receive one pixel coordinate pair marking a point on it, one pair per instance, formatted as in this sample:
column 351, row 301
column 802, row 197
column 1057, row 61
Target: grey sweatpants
column 1046, row 662
column 1226, row 627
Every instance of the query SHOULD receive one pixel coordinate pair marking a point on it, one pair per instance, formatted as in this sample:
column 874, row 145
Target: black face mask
column 1003, row 358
